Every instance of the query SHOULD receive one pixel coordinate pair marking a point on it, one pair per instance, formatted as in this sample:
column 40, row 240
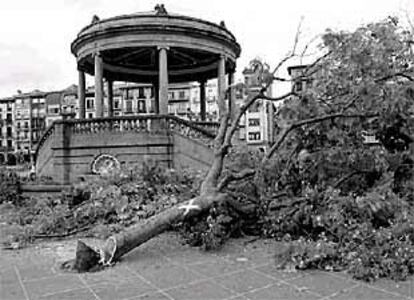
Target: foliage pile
column 9, row 187
column 341, row 203
column 99, row 207
column 337, row 201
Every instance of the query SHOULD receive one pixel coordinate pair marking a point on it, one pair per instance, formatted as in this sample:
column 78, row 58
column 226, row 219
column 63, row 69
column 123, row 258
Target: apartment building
column 25, row 116
column 132, row 99
column 258, row 120
column 7, row 133
column 29, row 121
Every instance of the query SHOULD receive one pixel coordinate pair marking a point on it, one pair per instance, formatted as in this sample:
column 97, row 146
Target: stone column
column 110, row 98
column 203, row 100
column 98, row 85
column 81, row 94
column 232, row 104
column 221, row 78
column 163, row 80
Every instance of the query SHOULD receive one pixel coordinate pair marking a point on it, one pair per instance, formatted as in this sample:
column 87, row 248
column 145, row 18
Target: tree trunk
column 118, row 245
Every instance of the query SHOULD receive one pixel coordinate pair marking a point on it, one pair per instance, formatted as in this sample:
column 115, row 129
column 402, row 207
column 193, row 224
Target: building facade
column 7, row 130
column 24, row 117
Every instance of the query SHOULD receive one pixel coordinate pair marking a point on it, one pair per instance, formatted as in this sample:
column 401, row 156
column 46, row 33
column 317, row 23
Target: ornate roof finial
column 95, row 19
column 222, row 24
column 160, row 9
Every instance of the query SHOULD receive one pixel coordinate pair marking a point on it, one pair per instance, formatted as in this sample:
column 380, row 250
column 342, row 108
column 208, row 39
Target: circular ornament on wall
column 105, row 164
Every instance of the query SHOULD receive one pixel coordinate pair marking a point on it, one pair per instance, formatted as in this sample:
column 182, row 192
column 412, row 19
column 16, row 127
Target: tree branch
column 280, row 98
column 309, row 121
column 398, row 74
column 235, row 176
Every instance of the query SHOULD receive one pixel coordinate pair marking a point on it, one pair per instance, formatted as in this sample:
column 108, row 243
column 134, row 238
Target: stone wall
column 68, row 153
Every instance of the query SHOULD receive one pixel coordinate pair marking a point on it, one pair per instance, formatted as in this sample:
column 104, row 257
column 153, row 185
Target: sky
column 35, row 35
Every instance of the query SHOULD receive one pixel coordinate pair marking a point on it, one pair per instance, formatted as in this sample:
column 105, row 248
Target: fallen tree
column 211, row 190
column 358, row 84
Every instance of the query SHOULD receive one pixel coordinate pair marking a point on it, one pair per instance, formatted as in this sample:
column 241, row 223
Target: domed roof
column 128, row 44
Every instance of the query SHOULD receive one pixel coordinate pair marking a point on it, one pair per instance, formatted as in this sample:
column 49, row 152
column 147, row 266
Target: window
column 128, row 105
column 181, row 94
column 141, row 93
column 254, row 136
column 90, row 103
column 129, row 94
column 26, row 125
column 141, row 106
column 9, row 132
column 53, row 110
column 116, row 104
column 171, row 95
column 9, row 143
column 254, row 122
column 90, row 116
column 18, row 125
column 298, row 86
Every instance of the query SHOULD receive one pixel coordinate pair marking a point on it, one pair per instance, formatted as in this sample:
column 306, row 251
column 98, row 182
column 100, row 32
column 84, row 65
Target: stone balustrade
column 202, row 131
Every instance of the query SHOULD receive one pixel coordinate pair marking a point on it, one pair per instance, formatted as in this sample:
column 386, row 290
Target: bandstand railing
column 203, row 132
column 208, row 125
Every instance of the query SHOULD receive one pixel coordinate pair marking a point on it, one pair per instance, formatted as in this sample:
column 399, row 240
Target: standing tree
column 362, row 81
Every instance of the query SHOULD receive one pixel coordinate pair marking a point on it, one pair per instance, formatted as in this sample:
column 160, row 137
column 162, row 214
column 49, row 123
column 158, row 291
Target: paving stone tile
column 22, row 260
column 249, row 260
column 78, row 294
column 170, row 276
column 189, row 256
column 116, row 274
column 141, row 261
column 129, row 288
column 8, row 276
column 35, row 272
column 405, row 288
column 240, row 297
column 322, row 283
column 281, row 291
column 365, row 293
column 201, row 290
column 57, row 284
column 6, row 263
column 279, row 274
column 244, row 281
column 11, row 291
column 215, row 267
column 152, row 296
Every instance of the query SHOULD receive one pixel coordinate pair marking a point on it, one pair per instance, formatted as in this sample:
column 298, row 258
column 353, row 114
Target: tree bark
column 210, row 192
column 120, row 244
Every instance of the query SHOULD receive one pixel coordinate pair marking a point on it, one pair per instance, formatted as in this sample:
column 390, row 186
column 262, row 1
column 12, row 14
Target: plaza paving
column 165, row 269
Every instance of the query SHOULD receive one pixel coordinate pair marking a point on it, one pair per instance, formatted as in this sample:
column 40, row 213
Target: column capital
column 163, row 47
column 97, row 53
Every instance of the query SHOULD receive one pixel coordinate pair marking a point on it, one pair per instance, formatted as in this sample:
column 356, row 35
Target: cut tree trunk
column 118, row 245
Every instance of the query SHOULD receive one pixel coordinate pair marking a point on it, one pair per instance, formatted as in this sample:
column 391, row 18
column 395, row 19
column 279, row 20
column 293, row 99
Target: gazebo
column 154, row 47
